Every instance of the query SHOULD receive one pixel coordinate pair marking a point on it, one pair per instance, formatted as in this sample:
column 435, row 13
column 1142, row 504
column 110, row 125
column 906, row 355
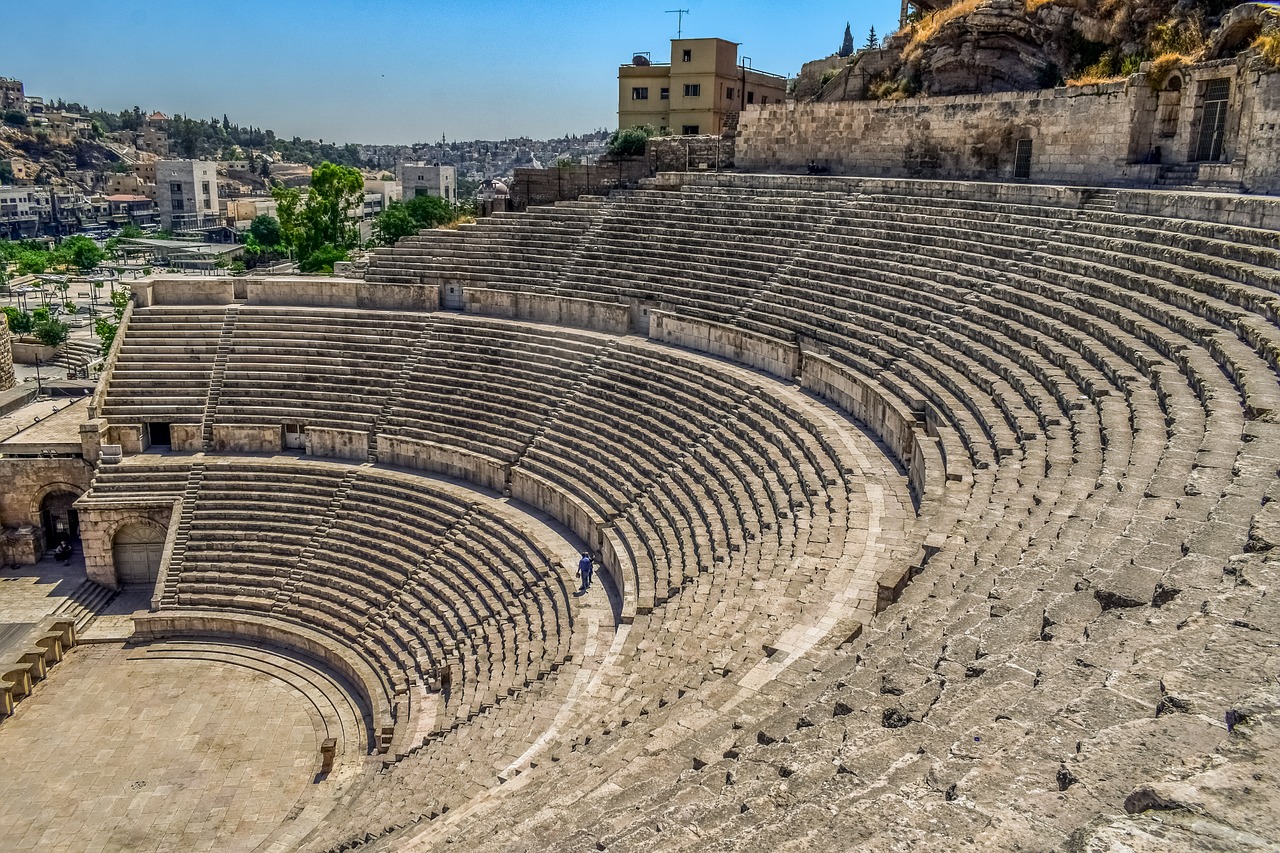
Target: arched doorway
column 59, row 519
column 136, row 551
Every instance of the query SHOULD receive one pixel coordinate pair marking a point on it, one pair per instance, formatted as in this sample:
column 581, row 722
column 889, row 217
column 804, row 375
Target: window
column 728, row 93
column 176, row 203
column 175, row 187
column 690, row 130
column 1022, row 160
column 764, row 99
column 208, row 204
column 751, row 97
column 204, row 187
column 640, row 93
column 664, row 94
column 688, row 56
column 693, row 90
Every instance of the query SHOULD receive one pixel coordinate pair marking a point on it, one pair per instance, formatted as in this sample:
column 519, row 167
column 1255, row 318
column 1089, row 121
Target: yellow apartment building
column 702, row 85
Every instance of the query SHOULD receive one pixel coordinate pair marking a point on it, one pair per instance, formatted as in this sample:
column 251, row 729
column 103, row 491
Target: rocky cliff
column 976, row 46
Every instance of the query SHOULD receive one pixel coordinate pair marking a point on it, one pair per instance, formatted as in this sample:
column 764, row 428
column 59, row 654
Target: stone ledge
column 376, row 696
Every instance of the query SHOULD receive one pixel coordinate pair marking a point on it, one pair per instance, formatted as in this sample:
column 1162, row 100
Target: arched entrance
column 136, row 551
column 59, row 519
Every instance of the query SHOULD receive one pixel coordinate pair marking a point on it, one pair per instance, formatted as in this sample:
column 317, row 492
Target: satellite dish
column 640, row 60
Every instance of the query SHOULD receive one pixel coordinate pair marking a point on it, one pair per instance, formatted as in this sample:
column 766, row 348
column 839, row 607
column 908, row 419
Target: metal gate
column 1213, row 124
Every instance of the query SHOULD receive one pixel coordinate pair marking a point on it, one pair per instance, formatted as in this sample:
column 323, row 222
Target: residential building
column 153, row 140
column 240, row 212
column 389, row 190
column 128, row 184
column 65, row 125
column 35, row 107
column 422, row 179
column 697, row 91
column 11, row 95
column 125, row 208
column 187, row 194
column 22, row 209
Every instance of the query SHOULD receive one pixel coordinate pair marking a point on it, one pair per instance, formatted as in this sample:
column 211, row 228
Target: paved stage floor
column 124, row 750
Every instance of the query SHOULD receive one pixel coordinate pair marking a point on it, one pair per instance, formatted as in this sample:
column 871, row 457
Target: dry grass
column 1087, row 79
column 1033, row 5
column 927, row 28
column 1163, row 66
column 1268, row 47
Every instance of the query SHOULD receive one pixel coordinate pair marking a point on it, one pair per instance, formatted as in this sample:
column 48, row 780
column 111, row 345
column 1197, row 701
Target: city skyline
column 408, row 72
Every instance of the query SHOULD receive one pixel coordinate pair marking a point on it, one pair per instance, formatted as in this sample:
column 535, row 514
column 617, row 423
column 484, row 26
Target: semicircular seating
column 1067, row 430
column 1103, row 389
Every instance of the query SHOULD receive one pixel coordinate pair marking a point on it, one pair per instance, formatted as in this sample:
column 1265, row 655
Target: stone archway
column 58, row 516
column 136, row 550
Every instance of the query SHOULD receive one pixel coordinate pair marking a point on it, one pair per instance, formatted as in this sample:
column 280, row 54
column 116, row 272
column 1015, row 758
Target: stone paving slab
column 30, row 593
column 118, row 752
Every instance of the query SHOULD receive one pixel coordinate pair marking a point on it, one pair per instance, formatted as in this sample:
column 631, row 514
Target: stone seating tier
column 1099, row 386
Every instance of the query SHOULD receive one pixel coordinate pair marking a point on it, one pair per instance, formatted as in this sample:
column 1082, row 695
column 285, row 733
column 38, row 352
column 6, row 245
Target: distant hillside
column 973, row 46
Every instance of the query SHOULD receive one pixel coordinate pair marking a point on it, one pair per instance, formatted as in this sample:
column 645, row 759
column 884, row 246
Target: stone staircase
column 76, row 353
column 1098, row 200
column 195, row 476
column 84, row 603
column 216, row 377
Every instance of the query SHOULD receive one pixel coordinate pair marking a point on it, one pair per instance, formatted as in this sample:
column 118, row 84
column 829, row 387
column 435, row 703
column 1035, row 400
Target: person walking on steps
column 585, row 568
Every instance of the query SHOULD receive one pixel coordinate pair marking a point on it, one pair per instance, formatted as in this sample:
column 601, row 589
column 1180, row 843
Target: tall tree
column 846, row 48
column 319, row 221
column 873, row 41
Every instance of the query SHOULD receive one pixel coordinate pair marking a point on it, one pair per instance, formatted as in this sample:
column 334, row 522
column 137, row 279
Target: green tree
column 393, row 223
column 266, row 230
column 20, row 322
column 322, row 259
column 15, row 118
column 288, row 211
column 80, row 252
column 630, row 141
column 52, row 332
column 336, row 191
column 321, row 218
column 846, row 47
column 873, row 41
column 106, row 327
column 429, row 211
column 33, row 261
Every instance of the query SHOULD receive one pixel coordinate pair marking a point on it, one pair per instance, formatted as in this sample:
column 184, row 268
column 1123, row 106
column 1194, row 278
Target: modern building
column 187, row 194
column 422, row 179
column 697, row 91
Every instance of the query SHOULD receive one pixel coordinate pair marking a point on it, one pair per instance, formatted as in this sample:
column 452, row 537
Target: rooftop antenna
column 680, row 13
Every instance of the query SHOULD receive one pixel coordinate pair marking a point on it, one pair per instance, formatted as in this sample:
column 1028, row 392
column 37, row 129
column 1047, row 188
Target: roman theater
column 933, row 508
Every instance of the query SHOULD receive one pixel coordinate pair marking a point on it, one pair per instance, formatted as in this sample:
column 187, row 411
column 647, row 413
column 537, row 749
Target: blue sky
column 392, row 71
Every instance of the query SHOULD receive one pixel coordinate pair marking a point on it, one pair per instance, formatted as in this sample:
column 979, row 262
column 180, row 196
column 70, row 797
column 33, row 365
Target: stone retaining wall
column 1115, row 134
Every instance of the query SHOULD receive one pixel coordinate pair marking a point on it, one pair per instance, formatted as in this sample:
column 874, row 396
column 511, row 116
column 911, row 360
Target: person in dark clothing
column 63, row 551
column 585, row 569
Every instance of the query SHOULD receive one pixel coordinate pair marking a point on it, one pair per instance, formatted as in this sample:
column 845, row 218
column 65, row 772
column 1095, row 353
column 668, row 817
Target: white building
column 187, row 194
column 422, row 179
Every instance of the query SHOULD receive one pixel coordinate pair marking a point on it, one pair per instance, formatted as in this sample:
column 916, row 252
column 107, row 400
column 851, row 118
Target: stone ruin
column 928, row 515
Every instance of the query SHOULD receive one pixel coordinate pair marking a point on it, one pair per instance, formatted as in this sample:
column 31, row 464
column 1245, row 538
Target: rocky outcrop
column 1003, row 45
column 997, row 48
